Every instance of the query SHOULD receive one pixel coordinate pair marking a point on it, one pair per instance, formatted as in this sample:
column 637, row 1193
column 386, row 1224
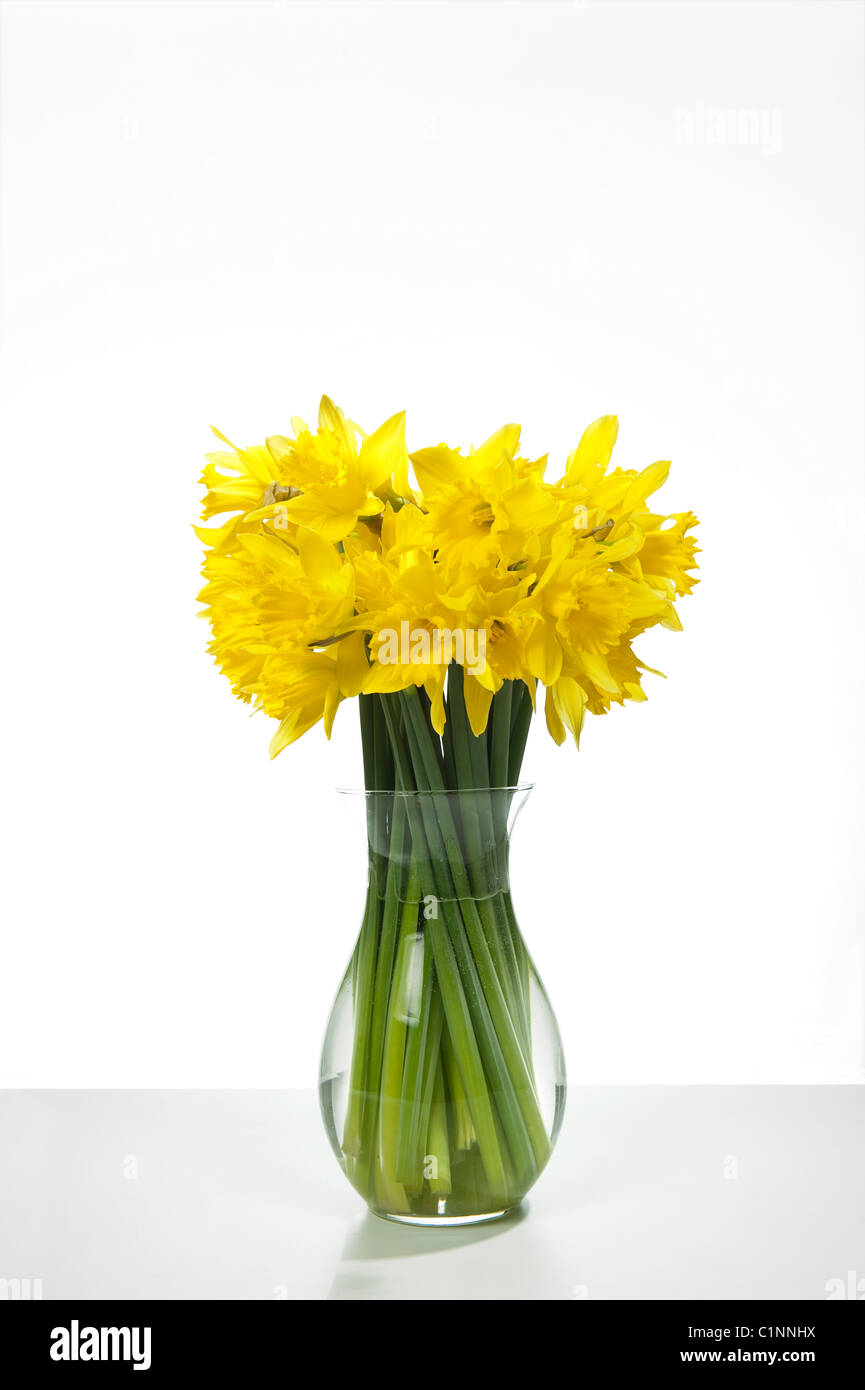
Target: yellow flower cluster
column 334, row 574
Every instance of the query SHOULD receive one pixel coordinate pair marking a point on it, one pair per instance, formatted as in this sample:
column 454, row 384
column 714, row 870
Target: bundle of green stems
column 442, row 1104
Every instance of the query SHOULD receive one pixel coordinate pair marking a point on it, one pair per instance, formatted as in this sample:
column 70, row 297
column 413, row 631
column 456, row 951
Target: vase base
column 404, row 1219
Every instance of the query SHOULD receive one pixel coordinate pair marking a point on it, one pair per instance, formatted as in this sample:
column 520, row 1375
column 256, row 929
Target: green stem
column 416, row 1050
column 438, row 1147
column 522, row 712
column 385, row 959
column 402, row 1007
column 374, row 955
column 464, row 1133
column 485, row 822
column 500, row 735
column 431, row 1061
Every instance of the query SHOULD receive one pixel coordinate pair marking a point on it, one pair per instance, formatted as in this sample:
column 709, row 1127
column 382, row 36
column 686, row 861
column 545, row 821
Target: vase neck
column 449, row 845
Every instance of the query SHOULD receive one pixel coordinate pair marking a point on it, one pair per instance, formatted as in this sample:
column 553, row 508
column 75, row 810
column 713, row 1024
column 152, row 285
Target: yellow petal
column 594, row 450
column 644, row 485
column 437, row 466
column 385, row 678
column 331, row 705
column 501, row 445
column 543, row 653
column 384, row 452
column 570, row 702
column 478, row 700
column 351, row 664
column 598, row 671
column 267, row 550
column 320, row 560
column 309, row 511
column 330, row 417
column 221, row 436
column 554, row 723
column 617, row 551
column 435, row 689
column 285, row 734
column 279, row 447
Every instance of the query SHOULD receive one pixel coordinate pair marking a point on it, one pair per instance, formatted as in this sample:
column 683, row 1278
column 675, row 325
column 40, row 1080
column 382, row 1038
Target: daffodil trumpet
column 442, row 589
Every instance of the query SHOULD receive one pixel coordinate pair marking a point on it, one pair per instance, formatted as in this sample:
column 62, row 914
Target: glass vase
column 442, row 1075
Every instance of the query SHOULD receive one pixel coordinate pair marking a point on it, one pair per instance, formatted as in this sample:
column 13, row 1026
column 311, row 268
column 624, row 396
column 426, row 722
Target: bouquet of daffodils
column 442, row 588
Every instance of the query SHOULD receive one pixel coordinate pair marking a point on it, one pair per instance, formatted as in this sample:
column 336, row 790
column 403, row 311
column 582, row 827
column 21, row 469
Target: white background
column 478, row 212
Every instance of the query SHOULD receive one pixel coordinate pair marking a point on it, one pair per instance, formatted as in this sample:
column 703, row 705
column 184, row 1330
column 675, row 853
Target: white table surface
column 652, row 1192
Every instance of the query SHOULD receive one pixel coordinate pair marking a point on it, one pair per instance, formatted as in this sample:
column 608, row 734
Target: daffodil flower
column 336, row 479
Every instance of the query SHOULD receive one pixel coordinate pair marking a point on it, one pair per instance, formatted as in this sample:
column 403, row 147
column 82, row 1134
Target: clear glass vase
column 442, row 1074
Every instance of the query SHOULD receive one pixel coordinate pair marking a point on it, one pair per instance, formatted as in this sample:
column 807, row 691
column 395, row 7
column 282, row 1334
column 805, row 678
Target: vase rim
column 444, row 791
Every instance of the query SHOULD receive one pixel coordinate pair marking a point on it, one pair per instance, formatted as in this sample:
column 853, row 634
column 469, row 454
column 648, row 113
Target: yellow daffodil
column 270, row 605
column 333, row 479
column 487, row 505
